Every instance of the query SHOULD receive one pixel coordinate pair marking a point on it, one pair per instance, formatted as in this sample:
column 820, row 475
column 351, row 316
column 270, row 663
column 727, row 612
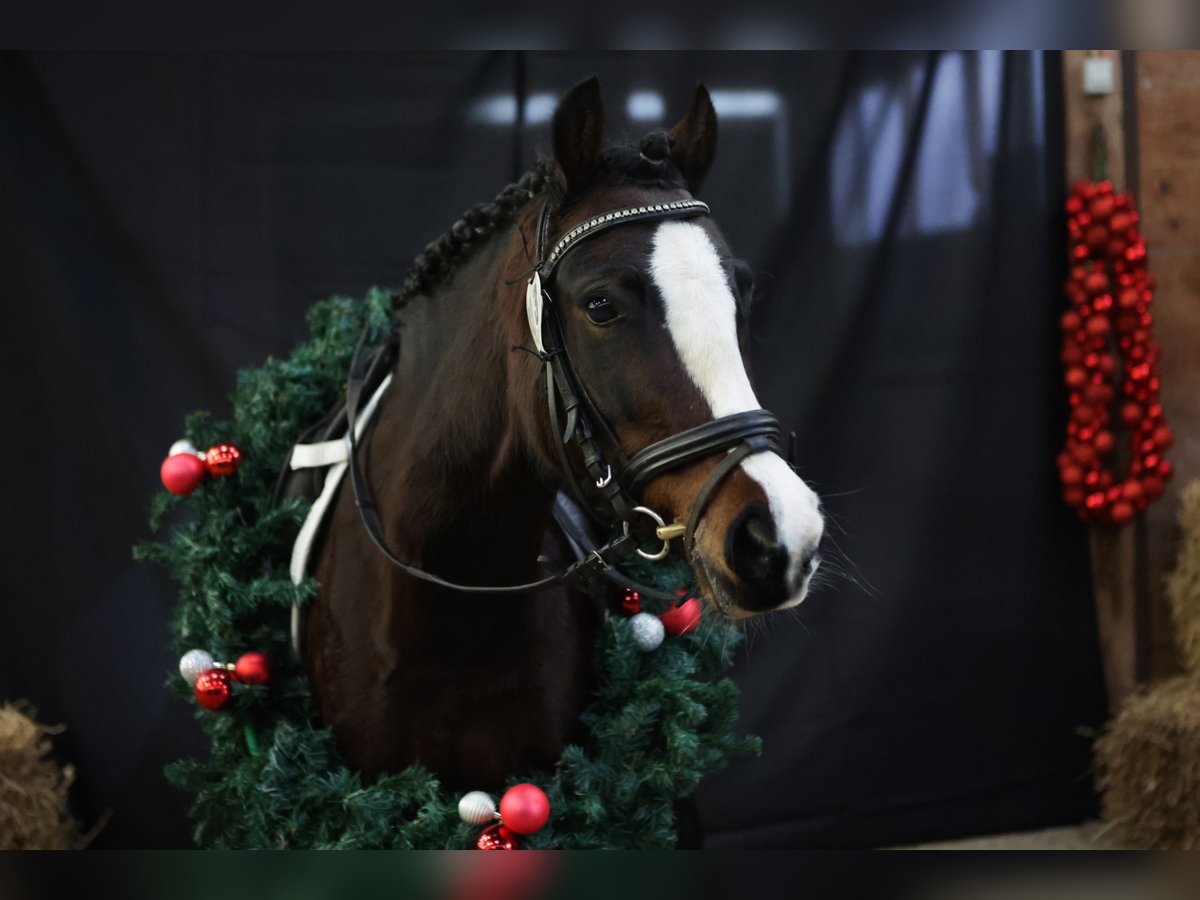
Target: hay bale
column 33, row 788
column 1149, row 767
column 1183, row 584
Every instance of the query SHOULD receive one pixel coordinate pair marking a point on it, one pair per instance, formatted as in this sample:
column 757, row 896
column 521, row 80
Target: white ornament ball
column 477, row 808
column 183, row 446
column 192, row 663
column 648, row 631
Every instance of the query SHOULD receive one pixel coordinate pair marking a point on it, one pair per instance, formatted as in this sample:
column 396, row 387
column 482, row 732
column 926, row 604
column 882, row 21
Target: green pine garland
column 661, row 720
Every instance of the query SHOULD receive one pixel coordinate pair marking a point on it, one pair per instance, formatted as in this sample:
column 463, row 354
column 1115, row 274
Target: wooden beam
column 1114, row 550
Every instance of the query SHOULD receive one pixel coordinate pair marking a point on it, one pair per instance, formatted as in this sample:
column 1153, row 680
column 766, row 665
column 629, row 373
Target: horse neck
column 462, row 489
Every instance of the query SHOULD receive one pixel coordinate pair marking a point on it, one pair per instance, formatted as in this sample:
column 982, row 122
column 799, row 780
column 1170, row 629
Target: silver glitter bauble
column 648, row 631
column 192, row 663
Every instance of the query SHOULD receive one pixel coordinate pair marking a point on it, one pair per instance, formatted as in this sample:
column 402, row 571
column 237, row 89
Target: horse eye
column 599, row 311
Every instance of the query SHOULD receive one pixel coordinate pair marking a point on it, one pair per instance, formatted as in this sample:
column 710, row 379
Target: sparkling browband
column 676, row 209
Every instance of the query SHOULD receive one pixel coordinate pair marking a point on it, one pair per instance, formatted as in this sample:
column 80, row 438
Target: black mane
column 645, row 165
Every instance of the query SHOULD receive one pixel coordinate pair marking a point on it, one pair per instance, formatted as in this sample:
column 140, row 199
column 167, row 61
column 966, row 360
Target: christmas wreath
column 659, row 720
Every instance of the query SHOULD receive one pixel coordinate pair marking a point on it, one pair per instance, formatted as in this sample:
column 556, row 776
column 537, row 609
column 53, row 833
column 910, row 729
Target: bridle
column 616, row 480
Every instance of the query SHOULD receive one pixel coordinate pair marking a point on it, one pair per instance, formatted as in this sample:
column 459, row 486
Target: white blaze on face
column 701, row 316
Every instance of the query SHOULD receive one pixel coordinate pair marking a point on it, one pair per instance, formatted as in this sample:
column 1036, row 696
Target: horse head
column 653, row 317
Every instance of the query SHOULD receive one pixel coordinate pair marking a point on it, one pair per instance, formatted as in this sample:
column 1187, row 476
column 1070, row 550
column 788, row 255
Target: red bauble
column 214, row 689
column 222, row 460
column 497, row 837
column 1122, row 512
column 524, row 808
column 631, row 602
column 1131, row 414
column 182, row 473
column 1101, row 207
column 1083, row 454
column 1096, row 237
column 252, row 668
column 684, row 618
column 1132, row 491
column 1096, row 281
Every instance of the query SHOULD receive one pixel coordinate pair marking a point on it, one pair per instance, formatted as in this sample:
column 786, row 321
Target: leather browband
column 675, row 209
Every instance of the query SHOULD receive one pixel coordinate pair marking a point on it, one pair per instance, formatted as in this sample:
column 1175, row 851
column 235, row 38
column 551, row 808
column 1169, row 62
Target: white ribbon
column 335, row 454
column 533, row 310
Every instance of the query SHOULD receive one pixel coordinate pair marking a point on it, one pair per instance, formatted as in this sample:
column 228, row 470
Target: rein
column 574, row 419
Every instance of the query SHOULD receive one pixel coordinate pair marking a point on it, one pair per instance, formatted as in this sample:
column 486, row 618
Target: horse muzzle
column 755, row 548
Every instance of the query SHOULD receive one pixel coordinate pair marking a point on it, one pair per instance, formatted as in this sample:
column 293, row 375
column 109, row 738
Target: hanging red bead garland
column 1108, row 322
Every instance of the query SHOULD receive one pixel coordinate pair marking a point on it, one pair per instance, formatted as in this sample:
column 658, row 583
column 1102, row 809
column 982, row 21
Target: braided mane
column 475, row 226
column 646, row 164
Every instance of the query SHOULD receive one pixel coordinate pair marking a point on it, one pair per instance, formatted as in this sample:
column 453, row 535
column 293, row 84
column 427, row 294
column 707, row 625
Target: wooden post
column 1114, row 550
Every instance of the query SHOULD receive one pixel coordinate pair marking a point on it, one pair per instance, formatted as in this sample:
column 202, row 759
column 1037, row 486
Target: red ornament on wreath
column 182, row 473
column 222, row 460
column 1110, row 293
column 682, row 619
column 497, row 837
column 213, row 689
column 631, row 602
column 252, row 668
column 524, row 808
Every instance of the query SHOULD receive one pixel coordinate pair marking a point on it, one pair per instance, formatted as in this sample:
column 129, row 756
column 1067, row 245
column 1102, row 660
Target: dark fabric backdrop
column 166, row 219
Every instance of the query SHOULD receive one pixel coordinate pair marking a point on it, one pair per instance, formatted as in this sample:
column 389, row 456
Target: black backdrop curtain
column 165, row 219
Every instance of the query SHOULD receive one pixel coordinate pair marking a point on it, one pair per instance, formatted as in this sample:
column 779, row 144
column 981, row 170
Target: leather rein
column 617, row 479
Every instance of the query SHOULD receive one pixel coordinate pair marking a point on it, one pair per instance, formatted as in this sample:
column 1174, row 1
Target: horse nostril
column 757, row 558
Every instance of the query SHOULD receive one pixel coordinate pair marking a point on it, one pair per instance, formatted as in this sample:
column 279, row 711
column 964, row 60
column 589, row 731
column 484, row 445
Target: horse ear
column 695, row 137
column 579, row 132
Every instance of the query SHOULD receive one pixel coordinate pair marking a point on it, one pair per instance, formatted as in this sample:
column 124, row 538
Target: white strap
column 302, row 548
column 367, row 413
column 308, row 531
column 320, row 456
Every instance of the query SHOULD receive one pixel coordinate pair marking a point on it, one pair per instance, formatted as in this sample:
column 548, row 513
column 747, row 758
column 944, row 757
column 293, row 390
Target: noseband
column 616, row 480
